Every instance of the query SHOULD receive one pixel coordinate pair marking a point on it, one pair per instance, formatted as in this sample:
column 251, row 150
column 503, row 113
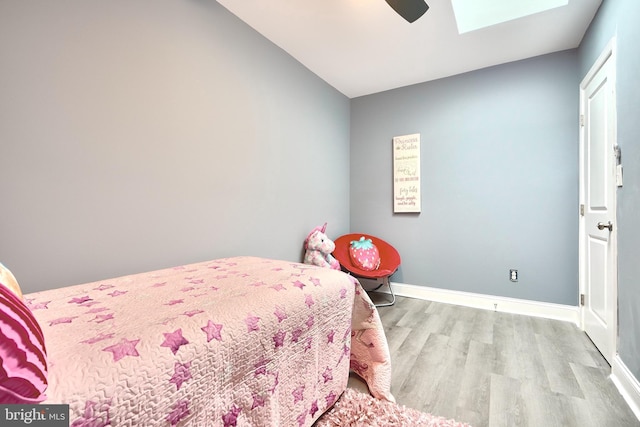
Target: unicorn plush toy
column 318, row 249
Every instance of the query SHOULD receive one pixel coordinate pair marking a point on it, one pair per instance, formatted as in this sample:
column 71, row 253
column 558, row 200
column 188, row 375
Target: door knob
column 602, row 226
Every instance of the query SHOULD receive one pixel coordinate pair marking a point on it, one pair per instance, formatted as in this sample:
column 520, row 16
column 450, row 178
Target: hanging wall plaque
column 406, row 173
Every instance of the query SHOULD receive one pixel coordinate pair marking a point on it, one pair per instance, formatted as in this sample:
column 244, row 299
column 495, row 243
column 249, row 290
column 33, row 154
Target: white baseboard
column 547, row 310
column 627, row 384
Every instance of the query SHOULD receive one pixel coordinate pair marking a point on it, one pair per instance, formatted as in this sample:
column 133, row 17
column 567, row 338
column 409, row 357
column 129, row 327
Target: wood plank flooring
column 494, row 369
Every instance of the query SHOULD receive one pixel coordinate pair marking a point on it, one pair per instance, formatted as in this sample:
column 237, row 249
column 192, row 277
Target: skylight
column 475, row 14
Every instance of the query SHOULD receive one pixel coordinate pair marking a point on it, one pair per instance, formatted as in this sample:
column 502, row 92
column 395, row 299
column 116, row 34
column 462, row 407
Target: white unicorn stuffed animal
column 318, row 249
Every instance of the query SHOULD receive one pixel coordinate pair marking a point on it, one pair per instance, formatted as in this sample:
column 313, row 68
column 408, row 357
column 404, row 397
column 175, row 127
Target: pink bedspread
column 239, row 341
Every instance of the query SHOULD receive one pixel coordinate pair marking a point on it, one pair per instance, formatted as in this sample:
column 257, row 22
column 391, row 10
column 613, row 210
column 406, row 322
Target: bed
column 240, row 341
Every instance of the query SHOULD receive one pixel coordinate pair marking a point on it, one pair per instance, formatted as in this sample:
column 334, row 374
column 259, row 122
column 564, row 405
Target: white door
column 598, row 265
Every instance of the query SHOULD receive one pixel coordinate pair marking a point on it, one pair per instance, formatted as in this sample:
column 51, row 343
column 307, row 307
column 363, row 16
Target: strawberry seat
column 389, row 261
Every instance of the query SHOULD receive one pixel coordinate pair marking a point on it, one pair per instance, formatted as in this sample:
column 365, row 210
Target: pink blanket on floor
column 239, row 341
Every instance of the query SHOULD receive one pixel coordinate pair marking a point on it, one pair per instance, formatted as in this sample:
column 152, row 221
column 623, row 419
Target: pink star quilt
column 239, row 341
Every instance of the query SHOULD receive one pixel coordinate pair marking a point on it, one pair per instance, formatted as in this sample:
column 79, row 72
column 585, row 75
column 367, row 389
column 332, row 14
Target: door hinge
column 581, row 300
column 581, row 120
column 581, row 210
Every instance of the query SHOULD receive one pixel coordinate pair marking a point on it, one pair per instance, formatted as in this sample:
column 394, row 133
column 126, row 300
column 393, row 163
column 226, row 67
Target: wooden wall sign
column 406, row 173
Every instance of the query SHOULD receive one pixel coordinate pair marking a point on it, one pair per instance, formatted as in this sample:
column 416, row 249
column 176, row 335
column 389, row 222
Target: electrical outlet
column 513, row 275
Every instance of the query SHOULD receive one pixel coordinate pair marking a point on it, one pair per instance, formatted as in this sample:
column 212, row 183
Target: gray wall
column 620, row 18
column 140, row 135
column 499, row 150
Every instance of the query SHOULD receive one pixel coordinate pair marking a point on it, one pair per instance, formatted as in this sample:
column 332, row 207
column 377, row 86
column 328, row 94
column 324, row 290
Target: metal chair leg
column 386, row 281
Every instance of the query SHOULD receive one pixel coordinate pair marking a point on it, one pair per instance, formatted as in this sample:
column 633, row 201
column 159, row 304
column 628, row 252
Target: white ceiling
column 362, row 46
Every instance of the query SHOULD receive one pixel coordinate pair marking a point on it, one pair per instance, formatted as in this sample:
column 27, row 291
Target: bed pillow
column 23, row 357
column 8, row 279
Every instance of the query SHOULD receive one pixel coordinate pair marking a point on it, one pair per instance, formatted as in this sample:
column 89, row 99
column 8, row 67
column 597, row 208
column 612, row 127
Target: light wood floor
column 494, row 369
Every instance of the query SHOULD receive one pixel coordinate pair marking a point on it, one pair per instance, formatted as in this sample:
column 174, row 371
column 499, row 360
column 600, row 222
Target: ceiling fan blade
column 410, row 10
